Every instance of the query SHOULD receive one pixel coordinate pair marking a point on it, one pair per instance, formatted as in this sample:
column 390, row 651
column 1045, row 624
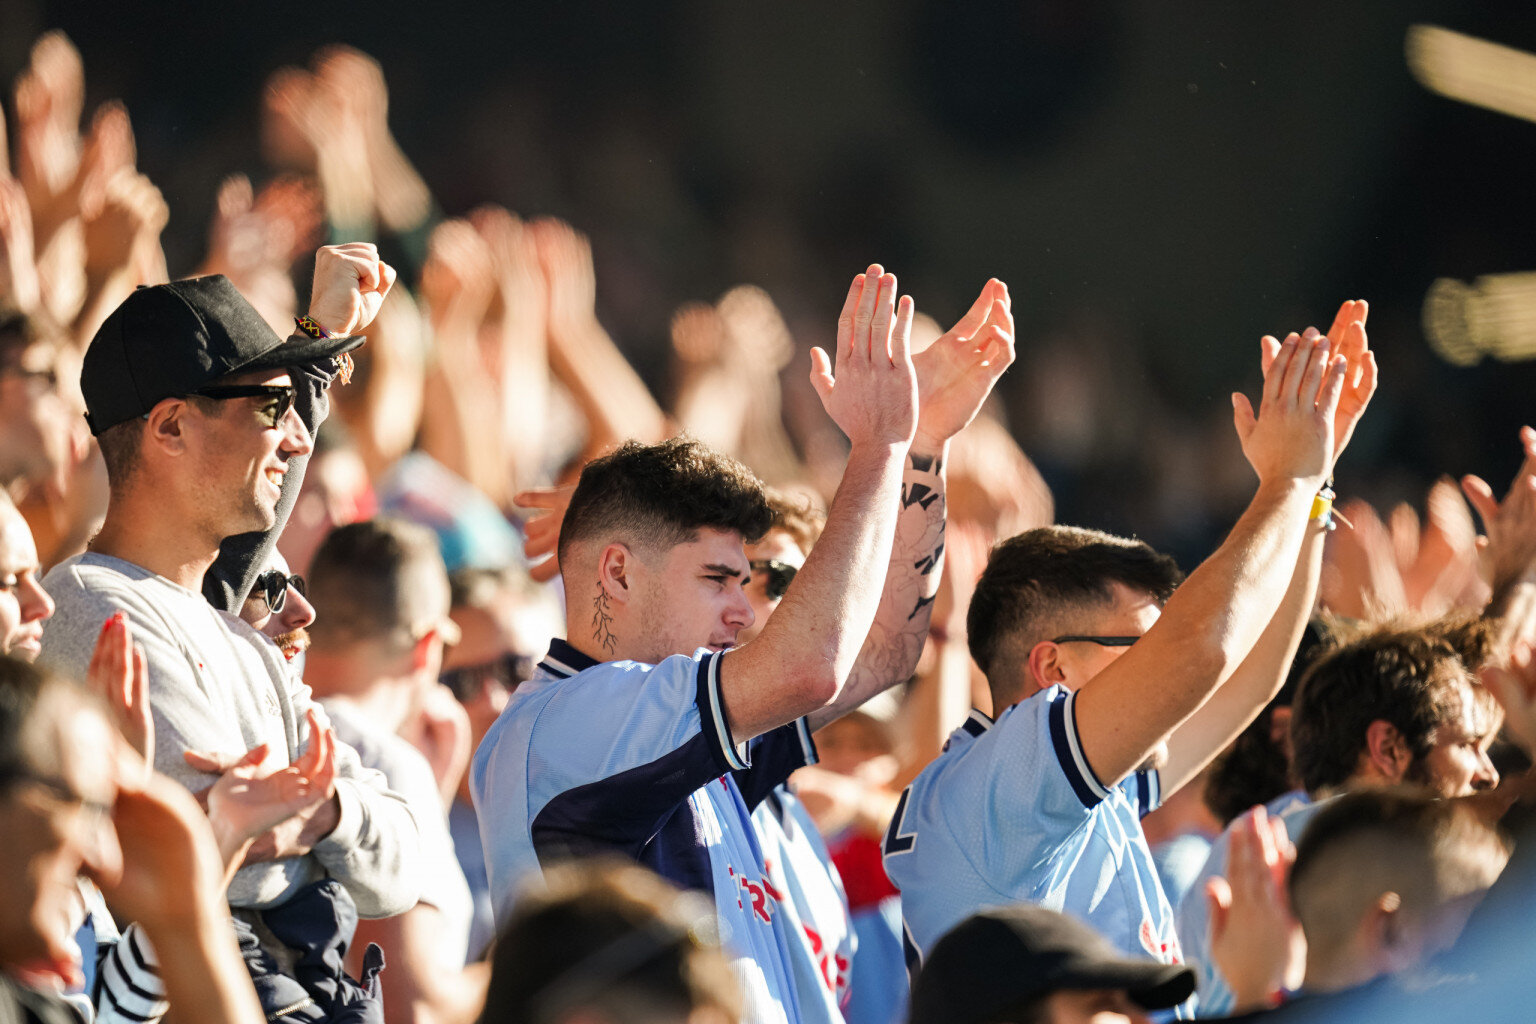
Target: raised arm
column 806, row 653
column 1213, row 620
column 954, row 377
column 1263, row 670
column 349, row 287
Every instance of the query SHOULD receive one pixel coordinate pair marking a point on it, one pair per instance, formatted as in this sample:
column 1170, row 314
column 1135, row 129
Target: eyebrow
column 720, row 569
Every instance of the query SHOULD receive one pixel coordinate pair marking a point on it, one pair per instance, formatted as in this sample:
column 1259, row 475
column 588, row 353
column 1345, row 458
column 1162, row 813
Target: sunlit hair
column 1409, row 676
column 607, row 938
column 655, row 497
column 1036, row 583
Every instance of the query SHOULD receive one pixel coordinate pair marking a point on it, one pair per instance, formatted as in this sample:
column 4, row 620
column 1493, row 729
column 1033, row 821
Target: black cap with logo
column 171, row 339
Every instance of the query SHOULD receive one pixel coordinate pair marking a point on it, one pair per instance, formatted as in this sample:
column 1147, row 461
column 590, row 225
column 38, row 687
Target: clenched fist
column 350, row 284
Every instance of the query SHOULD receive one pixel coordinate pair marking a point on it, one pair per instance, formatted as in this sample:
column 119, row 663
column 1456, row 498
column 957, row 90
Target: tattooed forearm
column 895, row 641
column 602, row 622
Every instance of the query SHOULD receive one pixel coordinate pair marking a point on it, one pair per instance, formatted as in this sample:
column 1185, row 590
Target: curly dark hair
column 1404, row 675
column 1032, row 581
column 656, row 496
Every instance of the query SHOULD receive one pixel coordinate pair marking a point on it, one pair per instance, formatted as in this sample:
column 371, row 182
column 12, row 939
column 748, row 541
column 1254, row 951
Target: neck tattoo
column 602, row 621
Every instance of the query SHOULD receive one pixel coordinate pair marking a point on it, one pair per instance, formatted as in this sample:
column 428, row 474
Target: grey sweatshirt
column 218, row 685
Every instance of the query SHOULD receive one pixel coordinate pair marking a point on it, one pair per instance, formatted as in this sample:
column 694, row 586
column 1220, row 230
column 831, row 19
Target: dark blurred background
column 1159, row 185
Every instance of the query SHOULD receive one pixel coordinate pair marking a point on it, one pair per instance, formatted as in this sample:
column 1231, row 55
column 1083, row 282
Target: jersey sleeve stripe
column 807, row 745
column 1062, row 717
column 712, row 716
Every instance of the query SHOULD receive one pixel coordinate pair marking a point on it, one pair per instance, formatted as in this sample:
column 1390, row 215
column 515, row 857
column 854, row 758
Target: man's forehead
column 712, row 547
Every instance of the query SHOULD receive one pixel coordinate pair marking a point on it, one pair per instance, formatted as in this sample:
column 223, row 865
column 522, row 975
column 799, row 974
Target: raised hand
column 566, row 258
column 458, row 280
column 873, row 398
column 119, row 673
column 957, row 372
column 19, row 285
column 541, row 533
column 1255, row 940
column 1292, row 435
column 1513, row 684
column 121, row 230
column 350, row 284
column 1346, row 338
column 1509, row 551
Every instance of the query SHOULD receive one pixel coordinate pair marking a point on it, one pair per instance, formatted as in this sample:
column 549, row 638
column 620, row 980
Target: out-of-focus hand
column 1255, row 940
column 125, row 225
column 566, row 258
column 171, row 869
column 350, row 284
column 873, row 398
column 439, row 728
column 541, row 533
column 1513, row 684
column 1291, row 437
column 958, row 371
column 458, row 280
column 119, row 673
column 50, row 95
column 19, row 284
column 1509, row 551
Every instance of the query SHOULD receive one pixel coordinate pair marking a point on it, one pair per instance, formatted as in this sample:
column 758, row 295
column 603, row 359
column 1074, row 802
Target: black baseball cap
column 168, row 340
column 999, row 961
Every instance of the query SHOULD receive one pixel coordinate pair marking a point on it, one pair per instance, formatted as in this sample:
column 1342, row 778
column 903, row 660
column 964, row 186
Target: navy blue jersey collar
column 564, row 661
column 977, row 723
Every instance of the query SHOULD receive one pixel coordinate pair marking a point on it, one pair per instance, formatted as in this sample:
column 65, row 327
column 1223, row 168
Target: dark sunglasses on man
column 508, row 670
column 272, row 587
column 277, row 399
column 780, row 575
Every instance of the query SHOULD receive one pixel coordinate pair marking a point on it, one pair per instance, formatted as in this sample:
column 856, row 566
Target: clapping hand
column 873, row 398
column 958, row 371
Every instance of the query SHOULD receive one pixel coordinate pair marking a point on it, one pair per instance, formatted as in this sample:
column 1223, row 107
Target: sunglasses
column 780, row 575
column 279, row 399
column 507, row 671
column 1102, row 641
column 272, row 587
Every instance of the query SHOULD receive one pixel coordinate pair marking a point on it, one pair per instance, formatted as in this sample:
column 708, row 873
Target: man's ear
column 166, row 427
column 1043, row 667
column 616, row 568
column 1387, row 750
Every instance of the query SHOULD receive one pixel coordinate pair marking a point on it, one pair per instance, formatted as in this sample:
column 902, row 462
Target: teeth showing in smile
column 275, row 476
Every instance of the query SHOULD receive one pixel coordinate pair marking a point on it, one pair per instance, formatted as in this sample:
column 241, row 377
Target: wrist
column 928, row 447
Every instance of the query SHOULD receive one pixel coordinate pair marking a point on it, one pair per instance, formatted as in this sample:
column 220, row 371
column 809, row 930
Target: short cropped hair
column 380, row 579
column 1374, row 841
column 657, row 496
column 1034, row 581
column 1406, row 676
column 609, row 936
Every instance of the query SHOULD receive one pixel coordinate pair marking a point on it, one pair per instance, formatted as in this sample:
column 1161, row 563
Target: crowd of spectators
column 426, row 666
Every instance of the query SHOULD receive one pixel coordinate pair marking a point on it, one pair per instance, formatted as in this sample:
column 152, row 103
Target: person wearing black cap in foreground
column 1025, row 964
column 191, row 395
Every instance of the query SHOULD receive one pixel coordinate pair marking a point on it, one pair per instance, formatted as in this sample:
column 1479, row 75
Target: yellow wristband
column 1322, row 508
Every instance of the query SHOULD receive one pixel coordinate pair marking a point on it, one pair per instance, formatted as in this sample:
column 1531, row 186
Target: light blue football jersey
column 1194, row 920
column 813, row 902
column 624, row 757
column 1011, row 812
